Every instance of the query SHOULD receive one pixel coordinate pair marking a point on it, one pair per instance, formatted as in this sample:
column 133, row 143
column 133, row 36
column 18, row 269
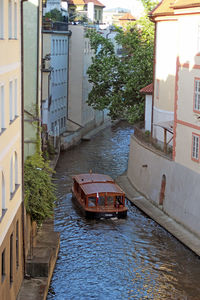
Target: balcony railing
column 146, row 138
column 55, row 26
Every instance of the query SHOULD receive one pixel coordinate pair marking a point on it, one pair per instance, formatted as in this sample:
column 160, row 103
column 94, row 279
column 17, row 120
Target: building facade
column 11, row 237
column 172, row 184
column 83, row 7
column 80, row 115
column 32, row 58
column 55, row 79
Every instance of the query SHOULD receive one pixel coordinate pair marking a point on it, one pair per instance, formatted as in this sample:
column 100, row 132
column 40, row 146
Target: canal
column 113, row 259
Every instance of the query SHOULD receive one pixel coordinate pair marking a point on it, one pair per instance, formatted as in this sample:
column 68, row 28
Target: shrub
column 39, row 189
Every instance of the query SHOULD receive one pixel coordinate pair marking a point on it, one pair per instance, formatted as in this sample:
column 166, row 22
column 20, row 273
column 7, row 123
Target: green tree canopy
column 54, row 15
column 118, row 80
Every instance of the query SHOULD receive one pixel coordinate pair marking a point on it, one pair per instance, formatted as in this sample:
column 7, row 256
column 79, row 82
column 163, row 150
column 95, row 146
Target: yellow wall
column 10, row 143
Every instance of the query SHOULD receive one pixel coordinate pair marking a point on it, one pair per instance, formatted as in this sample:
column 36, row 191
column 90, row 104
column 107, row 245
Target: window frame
column 196, row 110
column 197, row 151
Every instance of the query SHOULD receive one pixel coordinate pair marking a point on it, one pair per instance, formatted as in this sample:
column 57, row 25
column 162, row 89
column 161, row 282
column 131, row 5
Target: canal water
column 131, row 258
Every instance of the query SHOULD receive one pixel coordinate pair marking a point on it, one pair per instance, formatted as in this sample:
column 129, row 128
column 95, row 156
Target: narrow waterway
column 115, row 259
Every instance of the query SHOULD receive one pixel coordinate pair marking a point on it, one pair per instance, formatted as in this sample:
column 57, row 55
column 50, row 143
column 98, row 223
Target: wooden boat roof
column 92, row 177
column 107, row 187
column 97, row 183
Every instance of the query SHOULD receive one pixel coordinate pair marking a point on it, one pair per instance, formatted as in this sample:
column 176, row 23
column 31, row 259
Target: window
column 11, row 258
column 1, row 19
column 15, row 99
column 3, row 265
column 16, row 170
column 195, row 147
column 2, row 108
column 53, row 51
column 3, row 194
column 10, row 19
column 17, row 244
column 11, row 178
column 11, row 100
column 197, row 95
column 15, row 20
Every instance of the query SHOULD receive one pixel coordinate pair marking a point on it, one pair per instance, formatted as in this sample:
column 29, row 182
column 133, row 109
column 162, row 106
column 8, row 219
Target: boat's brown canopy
column 107, row 187
column 92, row 177
column 97, row 183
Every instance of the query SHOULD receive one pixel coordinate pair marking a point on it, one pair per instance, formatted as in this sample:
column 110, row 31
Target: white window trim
column 195, row 147
column 197, row 95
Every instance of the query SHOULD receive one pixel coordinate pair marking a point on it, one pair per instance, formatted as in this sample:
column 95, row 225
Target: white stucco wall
column 182, row 184
column 80, row 55
column 160, row 116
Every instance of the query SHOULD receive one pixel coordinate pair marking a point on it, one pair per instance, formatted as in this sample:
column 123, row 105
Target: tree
column 54, row 15
column 117, row 81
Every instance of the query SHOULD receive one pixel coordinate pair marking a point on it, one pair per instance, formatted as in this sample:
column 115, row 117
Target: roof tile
column 147, row 89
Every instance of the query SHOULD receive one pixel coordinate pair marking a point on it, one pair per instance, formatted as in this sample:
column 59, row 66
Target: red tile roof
column 83, row 2
column 148, row 90
column 186, row 3
column 128, row 17
column 166, row 7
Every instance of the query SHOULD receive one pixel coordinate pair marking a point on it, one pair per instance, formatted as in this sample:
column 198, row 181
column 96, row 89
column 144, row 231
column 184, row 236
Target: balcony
column 54, row 26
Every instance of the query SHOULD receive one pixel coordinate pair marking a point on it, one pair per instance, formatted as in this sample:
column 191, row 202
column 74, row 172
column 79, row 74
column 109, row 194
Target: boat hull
column 99, row 214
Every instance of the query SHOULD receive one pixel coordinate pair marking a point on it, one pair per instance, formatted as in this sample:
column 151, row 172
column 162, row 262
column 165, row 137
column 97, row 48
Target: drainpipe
column 41, row 75
column 154, row 67
column 22, row 134
column 37, row 84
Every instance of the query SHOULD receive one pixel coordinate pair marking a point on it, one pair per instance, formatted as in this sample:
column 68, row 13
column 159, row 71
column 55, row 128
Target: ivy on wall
column 39, row 189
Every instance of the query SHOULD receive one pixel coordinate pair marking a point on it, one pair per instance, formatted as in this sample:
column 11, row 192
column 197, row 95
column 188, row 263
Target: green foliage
column 149, row 4
column 39, row 189
column 54, row 15
column 116, row 82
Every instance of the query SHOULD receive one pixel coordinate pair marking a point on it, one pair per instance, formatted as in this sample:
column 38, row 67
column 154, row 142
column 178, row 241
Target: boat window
column 110, row 200
column 101, row 201
column 119, row 200
column 91, row 201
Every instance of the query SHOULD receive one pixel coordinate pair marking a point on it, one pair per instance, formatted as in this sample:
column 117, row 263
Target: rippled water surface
column 115, row 259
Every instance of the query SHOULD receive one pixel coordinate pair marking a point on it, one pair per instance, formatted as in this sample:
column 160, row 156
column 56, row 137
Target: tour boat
column 98, row 196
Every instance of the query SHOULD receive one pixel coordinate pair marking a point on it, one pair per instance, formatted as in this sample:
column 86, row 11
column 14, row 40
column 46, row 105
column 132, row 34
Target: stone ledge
column 40, row 264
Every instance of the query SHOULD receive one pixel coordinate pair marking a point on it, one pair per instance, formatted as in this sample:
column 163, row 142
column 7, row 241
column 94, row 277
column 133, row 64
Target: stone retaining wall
column 147, row 168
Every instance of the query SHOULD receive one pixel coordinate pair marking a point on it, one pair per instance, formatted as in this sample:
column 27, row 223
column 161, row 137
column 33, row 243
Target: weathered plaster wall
column 181, row 202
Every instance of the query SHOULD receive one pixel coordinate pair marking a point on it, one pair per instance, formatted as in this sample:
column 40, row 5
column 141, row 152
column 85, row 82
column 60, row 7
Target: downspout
column 154, row 67
column 22, row 134
column 41, row 75
column 37, row 83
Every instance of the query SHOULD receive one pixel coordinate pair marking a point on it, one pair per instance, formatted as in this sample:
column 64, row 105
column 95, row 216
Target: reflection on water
column 115, row 259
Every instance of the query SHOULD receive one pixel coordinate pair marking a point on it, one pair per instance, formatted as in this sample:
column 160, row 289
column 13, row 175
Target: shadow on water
column 131, row 258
